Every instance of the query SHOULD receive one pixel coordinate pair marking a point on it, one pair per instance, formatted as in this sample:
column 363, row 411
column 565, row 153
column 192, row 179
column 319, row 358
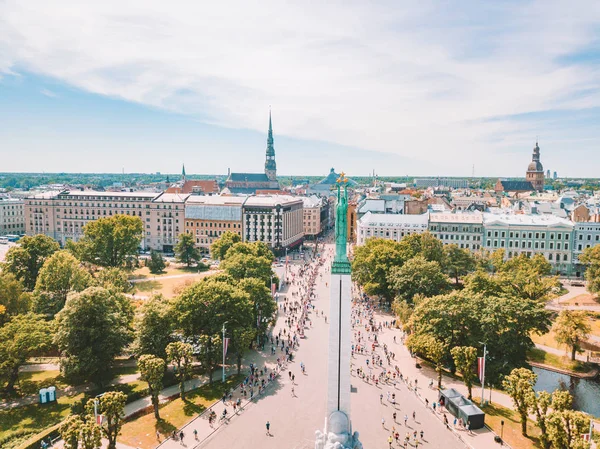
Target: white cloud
column 48, row 93
column 421, row 82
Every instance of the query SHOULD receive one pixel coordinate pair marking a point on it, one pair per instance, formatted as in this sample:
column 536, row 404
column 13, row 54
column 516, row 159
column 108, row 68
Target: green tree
column 111, row 405
column 373, row 263
column 92, row 329
column 13, row 298
column 565, row 429
column 156, row 263
column 539, row 404
column 180, row 354
column 458, row 261
column 464, row 360
column 186, row 250
column 61, row 274
column 591, row 258
column 431, row 348
column 571, row 328
column 240, row 266
column 22, row 337
column 110, row 241
column 402, row 309
column 258, row 249
column 91, row 434
column 202, row 308
column 113, row 279
column 418, row 276
column 26, row 260
column 240, row 342
column 211, row 347
column 154, row 327
column 70, row 431
column 264, row 305
column 519, row 386
column 220, row 246
column 152, row 371
column 425, row 244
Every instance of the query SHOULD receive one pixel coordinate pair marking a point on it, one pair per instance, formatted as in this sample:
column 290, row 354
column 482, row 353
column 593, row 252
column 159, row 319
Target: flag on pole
column 273, row 288
column 225, row 345
column 480, row 364
column 99, row 419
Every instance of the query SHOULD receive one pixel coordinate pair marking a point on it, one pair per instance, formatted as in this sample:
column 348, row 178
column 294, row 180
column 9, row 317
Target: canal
column 585, row 392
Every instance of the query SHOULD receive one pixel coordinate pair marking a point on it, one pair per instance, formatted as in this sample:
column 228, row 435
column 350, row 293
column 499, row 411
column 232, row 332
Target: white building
column 390, row 226
column 587, row 235
column 313, row 206
column 464, row 229
column 277, row 220
column 518, row 234
column 12, row 216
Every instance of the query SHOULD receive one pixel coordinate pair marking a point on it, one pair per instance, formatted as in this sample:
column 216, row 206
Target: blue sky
column 399, row 88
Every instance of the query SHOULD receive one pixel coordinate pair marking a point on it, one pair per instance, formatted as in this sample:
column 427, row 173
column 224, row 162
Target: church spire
column 183, row 172
column 270, row 165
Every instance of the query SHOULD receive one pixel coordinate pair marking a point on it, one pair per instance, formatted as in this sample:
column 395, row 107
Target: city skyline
column 422, row 91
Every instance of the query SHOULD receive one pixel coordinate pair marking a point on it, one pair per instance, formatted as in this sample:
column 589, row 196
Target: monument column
column 338, row 429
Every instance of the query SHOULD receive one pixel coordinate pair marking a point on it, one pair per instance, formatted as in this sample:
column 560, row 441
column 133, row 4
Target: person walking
column 181, row 438
column 383, row 422
column 268, row 426
column 195, row 435
column 406, row 420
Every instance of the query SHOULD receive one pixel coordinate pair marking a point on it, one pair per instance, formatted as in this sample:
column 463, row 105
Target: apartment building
column 390, row 226
column 277, row 220
column 208, row 217
column 518, row 234
column 316, row 215
column 12, row 216
column 462, row 229
column 63, row 215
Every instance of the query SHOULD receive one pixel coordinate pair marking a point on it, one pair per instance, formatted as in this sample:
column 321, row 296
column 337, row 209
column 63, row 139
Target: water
column 585, row 392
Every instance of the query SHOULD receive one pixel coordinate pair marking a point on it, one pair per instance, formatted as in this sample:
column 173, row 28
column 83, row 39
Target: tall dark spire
column 183, row 172
column 270, row 165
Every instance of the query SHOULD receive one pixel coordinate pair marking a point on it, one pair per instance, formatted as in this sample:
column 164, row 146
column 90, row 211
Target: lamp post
column 502, row 433
column 483, row 372
column 223, row 378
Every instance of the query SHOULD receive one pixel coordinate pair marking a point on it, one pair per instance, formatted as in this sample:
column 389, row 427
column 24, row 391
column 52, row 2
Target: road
column 294, row 419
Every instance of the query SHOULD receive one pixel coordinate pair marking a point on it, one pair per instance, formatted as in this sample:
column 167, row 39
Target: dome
column 535, row 166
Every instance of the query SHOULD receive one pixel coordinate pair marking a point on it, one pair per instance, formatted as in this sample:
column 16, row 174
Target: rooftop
column 371, row 219
column 171, row 198
column 215, row 200
column 271, row 200
column 459, row 217
column 526, row 220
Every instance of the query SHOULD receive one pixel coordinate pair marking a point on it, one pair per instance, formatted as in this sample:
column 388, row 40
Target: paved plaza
column 294, row 418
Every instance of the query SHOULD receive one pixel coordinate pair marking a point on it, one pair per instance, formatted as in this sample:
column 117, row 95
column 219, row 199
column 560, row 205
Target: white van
column 3, row 240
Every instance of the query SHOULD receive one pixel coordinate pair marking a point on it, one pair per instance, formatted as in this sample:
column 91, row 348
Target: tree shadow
column 164, row 427
column 190, row 409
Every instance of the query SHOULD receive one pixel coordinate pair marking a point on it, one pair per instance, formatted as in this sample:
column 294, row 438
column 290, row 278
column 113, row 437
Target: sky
column 428, row 88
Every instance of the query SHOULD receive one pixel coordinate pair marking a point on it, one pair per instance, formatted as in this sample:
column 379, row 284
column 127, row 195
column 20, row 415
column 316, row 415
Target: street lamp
column 223, row 378
column 501, row 432
column 483, row 371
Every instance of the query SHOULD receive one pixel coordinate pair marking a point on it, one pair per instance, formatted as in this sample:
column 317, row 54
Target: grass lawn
column 565, row 363
column 144, row 272
column 168, row 287
column 32, row 419
column 494, row 414
column 30, row 382
column 547, row 340
column 141, row 432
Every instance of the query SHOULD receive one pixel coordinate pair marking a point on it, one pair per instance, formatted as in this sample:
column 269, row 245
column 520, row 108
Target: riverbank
column 592, row 374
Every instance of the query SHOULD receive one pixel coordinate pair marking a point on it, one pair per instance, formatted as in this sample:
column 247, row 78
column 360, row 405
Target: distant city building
column 454, row 183
column 249, row 183
column 555, row 176
column 316, row 215
column 12, row 216
column 503, row 186
column 208, row 217
column 325, row 186
column 548, row 174
column 518, row 234
column 63, row 215
column 535, row 170
column 390, row 226
column 464, row 229
column 276, row 220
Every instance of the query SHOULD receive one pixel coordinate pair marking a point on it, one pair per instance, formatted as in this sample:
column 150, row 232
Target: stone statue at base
column 338, row 436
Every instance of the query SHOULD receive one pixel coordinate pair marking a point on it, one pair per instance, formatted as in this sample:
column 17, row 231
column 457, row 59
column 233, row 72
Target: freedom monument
column 337, row 433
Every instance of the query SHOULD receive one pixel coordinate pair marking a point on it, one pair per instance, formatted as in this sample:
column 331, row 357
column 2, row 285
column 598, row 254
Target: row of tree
column 560, row 426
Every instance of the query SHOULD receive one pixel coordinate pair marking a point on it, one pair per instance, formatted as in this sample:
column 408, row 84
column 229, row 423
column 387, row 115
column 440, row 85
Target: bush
column 35, row 441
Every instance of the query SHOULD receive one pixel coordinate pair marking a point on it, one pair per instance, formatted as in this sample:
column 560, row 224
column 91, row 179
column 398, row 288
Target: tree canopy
column 92, row 329
column 591, row 258
column 26, row 260
column 110, row 241
column 154, row 327
column 156, row 263
column 418, row 276
column 186, row 251
column 13, row 297
column 152, row 371
column 571, row 328
column 61, row 274
column 458, row 261
column 220, row 246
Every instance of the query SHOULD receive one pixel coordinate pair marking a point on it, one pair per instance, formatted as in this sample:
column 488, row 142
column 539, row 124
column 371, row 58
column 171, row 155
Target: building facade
column 63, row 215
column 312, row 216
column 208, row 217
column 12, row 216
column 462, row 229
column 518, row 234
column 277, row 220
column 535, row 170
column 390, row 226
column 587, row 235
column 455, row 183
